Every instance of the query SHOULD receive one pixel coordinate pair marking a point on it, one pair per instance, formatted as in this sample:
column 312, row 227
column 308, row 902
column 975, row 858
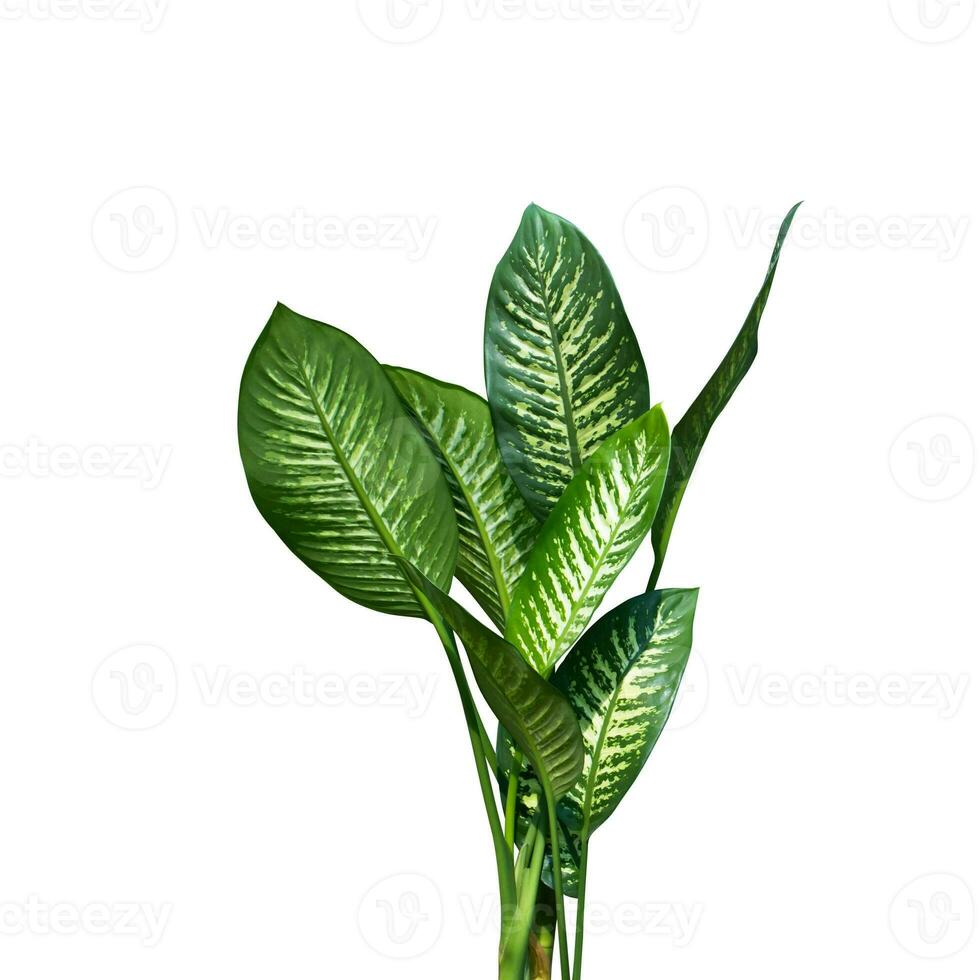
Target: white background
column 785, row 825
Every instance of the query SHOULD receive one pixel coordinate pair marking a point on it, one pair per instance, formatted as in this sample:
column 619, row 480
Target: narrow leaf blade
column 496, row 529
column 338, row 469
column 563, row 366
column 592, row 533
column 691, row 432
column 537, row 716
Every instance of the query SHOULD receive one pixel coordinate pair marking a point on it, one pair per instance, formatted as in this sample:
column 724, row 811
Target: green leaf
column 338, row 469
column 592, row 533
column 536, row 715
column 622, row 678
column 563, row 366
column 496, row 529
column 690, row 433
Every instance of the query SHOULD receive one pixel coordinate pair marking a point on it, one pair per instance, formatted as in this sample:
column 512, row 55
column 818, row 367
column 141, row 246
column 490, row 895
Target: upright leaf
column 690, row 433
column 537, row 716
column 338, row 469
column 622, row 678
column 563, row 366
column 496, row 529
column 592, row 533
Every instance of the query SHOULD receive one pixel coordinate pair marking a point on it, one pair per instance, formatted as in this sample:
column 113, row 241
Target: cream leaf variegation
column 338, row 469
column 496, row 529
column 594, row 530
column 563, row 366
column 622, row 679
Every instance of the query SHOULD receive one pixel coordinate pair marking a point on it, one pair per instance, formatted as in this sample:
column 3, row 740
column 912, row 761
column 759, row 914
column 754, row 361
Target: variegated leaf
column 496, row 529
column 690, row 433
column 622, row 678
column 338, row 469
column 592, row 533
column 563, row 366
column 537, row 716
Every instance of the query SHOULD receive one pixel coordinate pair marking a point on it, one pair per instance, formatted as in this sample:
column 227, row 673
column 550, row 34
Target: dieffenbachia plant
column 388, row 484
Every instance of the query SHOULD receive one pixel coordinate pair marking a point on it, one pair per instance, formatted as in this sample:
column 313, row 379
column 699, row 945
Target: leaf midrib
column 578, row 605
column 495, row 568
column 574, row 450
column 587, row 799
column 352, row 478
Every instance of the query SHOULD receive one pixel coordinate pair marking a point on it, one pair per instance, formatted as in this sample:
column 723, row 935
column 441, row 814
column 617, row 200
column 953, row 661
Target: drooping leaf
column 537, row 716
column 496, row 529
column 592, row 533
column 338, row 469
column 563, row 366
column 690, row 433
column 622, row 678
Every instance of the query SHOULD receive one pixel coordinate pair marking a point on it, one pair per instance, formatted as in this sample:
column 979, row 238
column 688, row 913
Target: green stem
column 559, row 888
column 583, row 871
column 478, row 737
column 510, row 823
column 514, row 955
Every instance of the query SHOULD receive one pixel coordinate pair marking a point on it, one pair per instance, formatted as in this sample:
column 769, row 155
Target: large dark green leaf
column 496, row 529
column 592, row 533
column 537, row 716
column 621, row 679
column 338, row 469
column 690, row 433
column 563, row 367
